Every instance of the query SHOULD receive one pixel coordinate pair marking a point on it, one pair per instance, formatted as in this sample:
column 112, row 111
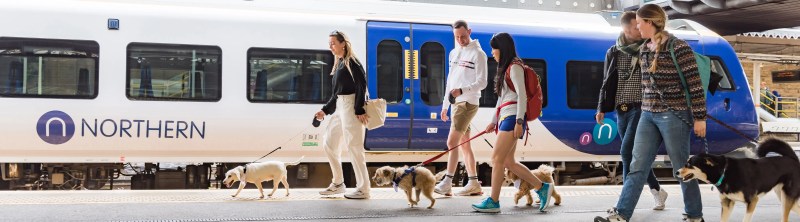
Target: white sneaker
column 333, row 189
column 687, row 219
column 613, row 215
column 357, row 195
column 660, row 197
column 471, row 189
column 444, row 188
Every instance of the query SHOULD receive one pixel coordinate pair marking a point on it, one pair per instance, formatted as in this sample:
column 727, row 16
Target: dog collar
column 719, row 182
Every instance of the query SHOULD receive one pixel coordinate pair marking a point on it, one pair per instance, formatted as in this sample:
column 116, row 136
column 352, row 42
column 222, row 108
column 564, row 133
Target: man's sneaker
column 487, row 206
column 357, row 195
column 333, row 189
column 545, row 194
column 444, row 188
column 687, row 219
column 660, row 197
column 471, row 189
column 613, row 215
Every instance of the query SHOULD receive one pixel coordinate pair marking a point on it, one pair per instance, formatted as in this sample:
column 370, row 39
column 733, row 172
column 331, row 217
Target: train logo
column 586, row 138
column 55, row 127
column 606, row 133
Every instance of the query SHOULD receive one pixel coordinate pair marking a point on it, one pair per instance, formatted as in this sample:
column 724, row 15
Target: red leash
column 446, row 151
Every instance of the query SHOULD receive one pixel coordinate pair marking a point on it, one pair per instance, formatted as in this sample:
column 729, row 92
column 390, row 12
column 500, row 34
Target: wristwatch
column 520, row 121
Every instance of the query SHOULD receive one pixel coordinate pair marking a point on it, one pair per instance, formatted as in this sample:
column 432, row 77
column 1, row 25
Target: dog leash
column 448, row 150
column 690, row 124
column 483, row 136
column 411, row 170
column 284, row 143
column 262, row 157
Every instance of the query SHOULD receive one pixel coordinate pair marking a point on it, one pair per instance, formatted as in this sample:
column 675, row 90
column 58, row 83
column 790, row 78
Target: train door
column 407, row 66
column 432, row 44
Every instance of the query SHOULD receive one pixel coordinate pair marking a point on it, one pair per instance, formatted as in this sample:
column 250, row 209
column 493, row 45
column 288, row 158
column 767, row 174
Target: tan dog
column 423, row 182
column 256, row 173
column 544, row 173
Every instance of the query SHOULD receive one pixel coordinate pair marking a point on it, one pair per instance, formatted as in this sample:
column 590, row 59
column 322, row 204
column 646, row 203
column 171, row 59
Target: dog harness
column 410, row 170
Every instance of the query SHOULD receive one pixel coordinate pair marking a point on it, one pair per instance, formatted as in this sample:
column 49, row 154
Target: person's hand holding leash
column 490, row 127
column 700, row 128
column 320, row 115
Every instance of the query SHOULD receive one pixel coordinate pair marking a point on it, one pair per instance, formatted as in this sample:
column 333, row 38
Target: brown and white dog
column 256, row 173
column 544, row 173
column 746, row 180
column 423, row 182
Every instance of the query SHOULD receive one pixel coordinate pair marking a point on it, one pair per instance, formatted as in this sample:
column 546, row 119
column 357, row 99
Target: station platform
column 579, row 203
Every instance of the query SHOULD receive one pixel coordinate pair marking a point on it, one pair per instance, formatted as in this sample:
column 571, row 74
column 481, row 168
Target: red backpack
column 532, row 88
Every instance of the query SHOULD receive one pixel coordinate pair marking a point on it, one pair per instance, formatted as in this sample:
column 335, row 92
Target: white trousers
column 344, row 125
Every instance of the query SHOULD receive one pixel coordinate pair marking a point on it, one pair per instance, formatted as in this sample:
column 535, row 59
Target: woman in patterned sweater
column 664, row 112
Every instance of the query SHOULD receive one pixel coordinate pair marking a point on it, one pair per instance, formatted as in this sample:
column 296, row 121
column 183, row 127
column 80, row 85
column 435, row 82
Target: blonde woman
column 348, row 117
column 665, row 117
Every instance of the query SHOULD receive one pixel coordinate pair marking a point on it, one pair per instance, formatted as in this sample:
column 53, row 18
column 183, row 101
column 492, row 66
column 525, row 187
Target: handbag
column 375, row 108
column 376, row 111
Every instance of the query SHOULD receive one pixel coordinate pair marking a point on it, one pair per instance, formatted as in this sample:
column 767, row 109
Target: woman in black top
column 346, row 107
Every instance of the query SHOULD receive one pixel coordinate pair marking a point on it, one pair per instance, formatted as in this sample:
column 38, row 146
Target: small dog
column 746, row 180
column 256, row 173
column 423, row 182
column 544, row 173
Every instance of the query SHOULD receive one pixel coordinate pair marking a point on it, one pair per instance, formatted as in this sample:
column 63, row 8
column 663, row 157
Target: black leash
column 262, row 157
column 287, row 141
column 732, row 129
column 691, row 125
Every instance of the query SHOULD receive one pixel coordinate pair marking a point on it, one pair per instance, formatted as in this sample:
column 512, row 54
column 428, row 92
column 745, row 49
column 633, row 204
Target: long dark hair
column 508, row 52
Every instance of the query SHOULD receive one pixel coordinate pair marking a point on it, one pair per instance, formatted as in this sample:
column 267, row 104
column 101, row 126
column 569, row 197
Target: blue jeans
column 652, row 130
column 627, row 123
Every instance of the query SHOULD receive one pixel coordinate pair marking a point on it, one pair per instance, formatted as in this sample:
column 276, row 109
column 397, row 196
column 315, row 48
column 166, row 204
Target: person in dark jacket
column 622, row 91
column 348, row 117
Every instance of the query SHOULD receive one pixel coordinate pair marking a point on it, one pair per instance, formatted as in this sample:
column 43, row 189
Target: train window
column 390, row 71
column 48, row 68
column 432, row 72
column 173, row 72
column 289, row 75
column 719, row 67
column 584, row 80
column 489, row 99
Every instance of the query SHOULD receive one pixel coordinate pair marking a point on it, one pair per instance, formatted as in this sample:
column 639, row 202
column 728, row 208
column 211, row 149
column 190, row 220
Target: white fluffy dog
column 256, row 173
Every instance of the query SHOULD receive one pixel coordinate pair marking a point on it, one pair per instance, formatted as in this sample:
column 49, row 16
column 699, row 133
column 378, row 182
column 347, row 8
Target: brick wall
column 786, row 89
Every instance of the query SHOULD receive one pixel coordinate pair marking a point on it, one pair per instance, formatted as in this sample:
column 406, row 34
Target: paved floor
column 579, row 204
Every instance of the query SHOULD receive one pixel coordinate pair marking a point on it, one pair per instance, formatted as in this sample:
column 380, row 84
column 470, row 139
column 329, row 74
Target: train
column 95, row 90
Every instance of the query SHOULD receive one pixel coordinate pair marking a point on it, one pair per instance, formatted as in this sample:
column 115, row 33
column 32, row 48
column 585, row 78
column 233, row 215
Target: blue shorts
column 508, row 124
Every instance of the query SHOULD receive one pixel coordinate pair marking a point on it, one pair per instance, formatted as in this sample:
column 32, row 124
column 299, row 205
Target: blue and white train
column 87, row 86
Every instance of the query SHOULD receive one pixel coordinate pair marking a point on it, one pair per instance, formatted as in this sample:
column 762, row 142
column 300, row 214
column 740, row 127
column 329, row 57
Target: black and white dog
column 746, row 180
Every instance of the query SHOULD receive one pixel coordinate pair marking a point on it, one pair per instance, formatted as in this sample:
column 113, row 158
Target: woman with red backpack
column 510, row 122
